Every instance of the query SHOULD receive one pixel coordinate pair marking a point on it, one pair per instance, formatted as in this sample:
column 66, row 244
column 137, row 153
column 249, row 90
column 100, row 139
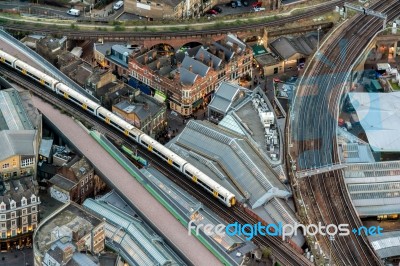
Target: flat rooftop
column 72, row 217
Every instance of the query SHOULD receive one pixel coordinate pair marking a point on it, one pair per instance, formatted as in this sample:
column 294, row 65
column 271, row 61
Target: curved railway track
column 71, row 33
column 283, row 252
column 318, row 98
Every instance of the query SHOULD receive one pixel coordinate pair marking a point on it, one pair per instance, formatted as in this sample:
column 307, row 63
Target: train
column 136, row 157
column 131, row 132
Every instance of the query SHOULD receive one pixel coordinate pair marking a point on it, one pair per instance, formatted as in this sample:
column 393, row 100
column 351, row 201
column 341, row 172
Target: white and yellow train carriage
column 209, row 184
column 7, row 59
column 35, row 74
column 77, row 98
column 115, row 121
column 161, row 151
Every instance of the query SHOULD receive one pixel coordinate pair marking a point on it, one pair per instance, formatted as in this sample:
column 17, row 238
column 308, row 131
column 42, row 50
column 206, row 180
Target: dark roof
column 286, row 47
column 62, row 182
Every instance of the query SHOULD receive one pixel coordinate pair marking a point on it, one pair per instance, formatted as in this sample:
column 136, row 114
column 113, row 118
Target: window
column 27, row 162
column 25, row 220
column 87, row 179
column 6, row 165
column 13, row 232
column 83, row 183
column 33, row 199
column 23, row 202
column 13, row 223
column 34, row 217
column 24, row 229
column 24, row 212
column 34, row 209
column 3, row 235
column 82, row 191
column 2, row 206
column 12, row 215
column 2, row 217
column 3, row 225
column 12, row 205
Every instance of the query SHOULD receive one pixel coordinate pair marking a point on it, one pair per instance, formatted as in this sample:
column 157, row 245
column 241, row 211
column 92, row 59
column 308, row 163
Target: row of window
column 23, row 203
column 32, row 76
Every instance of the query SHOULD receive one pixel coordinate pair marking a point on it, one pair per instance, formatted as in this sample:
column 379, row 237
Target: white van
column 74, row 12
column 118, row 5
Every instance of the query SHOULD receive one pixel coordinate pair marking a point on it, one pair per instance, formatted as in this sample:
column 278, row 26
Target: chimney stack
column 190, row 68
column 221, row 54
column 201, row 57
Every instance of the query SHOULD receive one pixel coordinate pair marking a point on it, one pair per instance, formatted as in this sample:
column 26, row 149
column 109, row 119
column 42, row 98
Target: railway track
column 282, row 251
column 315, row 144
column 139, row 35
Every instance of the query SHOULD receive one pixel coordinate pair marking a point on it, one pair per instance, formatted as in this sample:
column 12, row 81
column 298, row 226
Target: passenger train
column 121, row 125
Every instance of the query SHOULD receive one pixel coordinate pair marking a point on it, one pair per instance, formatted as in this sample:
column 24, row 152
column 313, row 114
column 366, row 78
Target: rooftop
column 62, row 182
column 226, row 95
column 20, row 142
column 141, row 105
column 45, row 147
column 387, row 244
column 17, row 189
column 286, row 47
column 379, row 116
column 134, row 237
column 237, row 157
column 12, row 113
column 66, row 220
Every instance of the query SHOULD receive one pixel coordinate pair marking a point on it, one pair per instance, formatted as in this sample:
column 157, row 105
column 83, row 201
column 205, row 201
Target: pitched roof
column 18, row 142
column 62, row 182
column 195, row 66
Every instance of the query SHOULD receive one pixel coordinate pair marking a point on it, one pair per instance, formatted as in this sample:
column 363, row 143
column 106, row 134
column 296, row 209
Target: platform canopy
column 379, row 115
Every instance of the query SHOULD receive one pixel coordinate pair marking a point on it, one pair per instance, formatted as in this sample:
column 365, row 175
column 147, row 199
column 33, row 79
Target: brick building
column 142, row 111
column 189, row 78
column 75, row 183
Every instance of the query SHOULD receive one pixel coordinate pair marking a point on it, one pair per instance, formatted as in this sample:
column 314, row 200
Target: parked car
column 258, row 9
column 118, row 5
column 212, row 12
column 245, row 3
column 218, row 9
column 233, row 4
column 74, row 12
column 238, row 3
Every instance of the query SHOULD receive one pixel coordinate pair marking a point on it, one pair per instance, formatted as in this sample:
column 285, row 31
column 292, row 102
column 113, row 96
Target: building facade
column 19, row 213
column 20, row 135
column 189, row 78
column 74, row 183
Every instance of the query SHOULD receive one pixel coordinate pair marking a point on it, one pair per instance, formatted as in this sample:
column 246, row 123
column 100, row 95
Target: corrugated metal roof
column 386, row 244
column 135, row 230
column 236, row 157
column 13, row 112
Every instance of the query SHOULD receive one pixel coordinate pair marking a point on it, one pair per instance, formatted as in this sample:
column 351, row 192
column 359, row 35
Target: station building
column 20, row 135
